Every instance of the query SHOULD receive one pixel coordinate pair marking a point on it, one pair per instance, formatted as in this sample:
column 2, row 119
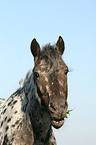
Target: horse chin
column 57, row 124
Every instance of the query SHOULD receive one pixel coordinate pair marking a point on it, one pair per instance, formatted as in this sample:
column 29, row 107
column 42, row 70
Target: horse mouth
column 57, row 116
column 57, row 123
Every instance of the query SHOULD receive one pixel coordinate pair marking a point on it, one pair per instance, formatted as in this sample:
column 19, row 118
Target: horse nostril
column 51, row 105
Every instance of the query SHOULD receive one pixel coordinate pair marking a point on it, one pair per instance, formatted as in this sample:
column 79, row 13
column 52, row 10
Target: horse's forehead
column 56, row 64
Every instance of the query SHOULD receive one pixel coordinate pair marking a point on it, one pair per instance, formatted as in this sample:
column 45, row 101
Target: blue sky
column 75, row 21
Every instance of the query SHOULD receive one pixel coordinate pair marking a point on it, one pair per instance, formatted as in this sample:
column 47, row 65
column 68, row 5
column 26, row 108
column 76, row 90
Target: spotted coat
column 15, row 126
column 27, row 117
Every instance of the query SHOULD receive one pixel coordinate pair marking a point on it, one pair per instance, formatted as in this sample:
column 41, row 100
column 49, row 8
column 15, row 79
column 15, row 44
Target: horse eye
column 66, row 71
column 36, row 75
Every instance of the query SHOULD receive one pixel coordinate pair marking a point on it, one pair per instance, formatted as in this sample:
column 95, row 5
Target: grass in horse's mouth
column 68, row 113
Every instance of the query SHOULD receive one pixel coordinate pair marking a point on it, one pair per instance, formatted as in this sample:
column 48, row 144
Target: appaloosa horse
column 28, row 115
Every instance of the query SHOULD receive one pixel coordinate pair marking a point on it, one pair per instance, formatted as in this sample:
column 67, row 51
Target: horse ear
column 60, row 45
column 35, row 49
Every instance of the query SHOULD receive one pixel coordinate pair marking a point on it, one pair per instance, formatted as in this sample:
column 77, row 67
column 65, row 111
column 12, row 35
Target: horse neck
column 38, row 115
column 30, row 94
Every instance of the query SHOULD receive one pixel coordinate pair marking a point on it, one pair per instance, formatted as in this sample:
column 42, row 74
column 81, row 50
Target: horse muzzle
column 58, row 114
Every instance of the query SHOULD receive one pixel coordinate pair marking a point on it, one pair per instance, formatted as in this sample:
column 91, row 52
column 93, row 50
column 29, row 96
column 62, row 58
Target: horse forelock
column 50, row 59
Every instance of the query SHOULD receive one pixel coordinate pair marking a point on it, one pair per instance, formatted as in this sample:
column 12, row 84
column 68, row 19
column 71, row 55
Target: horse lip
column 57, row 117
column 57, row 121
column 57, row 124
